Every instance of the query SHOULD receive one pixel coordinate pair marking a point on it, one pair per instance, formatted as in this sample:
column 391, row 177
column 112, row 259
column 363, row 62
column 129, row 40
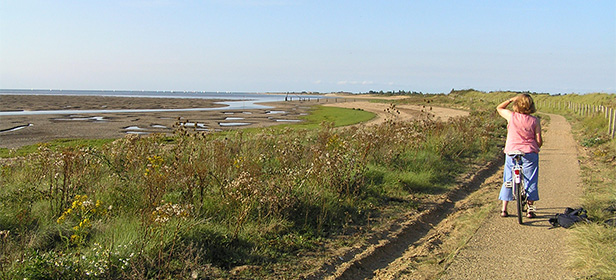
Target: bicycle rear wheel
column 520, row 201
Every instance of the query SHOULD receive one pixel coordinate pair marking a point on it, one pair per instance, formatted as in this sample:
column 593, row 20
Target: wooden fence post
column 612, row 122
column 608, row 115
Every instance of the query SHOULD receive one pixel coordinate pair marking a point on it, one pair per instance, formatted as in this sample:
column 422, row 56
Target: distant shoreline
column 17, row 131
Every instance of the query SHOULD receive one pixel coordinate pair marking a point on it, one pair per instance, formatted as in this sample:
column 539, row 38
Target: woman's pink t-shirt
column 521, row 133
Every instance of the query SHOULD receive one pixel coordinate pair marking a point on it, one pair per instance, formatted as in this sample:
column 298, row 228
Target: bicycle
column 517, row 187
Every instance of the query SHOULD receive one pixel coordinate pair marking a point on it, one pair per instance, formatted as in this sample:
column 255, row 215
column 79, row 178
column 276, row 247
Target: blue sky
column 325, row 46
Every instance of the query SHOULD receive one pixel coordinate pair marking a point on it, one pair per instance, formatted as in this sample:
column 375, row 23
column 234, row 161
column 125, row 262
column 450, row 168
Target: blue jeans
column 530, row 170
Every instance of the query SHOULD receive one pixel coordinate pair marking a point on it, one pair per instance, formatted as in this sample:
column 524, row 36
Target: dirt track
column 496, row 250
column 400, row 112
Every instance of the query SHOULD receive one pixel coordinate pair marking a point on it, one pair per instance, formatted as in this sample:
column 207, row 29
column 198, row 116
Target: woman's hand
column 502, row 108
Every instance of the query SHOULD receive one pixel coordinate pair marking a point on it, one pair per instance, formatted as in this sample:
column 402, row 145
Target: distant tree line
column 463, row 91
column 391, row 92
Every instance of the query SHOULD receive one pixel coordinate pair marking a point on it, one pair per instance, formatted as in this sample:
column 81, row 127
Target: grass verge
column 593, row 246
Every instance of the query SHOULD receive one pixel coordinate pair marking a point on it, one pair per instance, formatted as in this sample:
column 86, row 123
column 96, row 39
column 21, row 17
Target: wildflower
column 87, row 204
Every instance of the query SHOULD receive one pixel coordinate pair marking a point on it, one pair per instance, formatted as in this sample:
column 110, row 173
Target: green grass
column 592, row 245
column 338, row 116
column 319, row 115
column 594, row 251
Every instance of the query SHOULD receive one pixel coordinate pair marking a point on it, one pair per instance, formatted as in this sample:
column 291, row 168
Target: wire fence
column 584, row 110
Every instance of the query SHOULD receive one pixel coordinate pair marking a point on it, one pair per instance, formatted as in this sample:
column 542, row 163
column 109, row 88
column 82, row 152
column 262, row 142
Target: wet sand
column 17, row 131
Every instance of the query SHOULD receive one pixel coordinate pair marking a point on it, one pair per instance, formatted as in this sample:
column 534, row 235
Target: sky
column 429, row 46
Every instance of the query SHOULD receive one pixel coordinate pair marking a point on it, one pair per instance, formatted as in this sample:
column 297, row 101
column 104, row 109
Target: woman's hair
column 524, row 104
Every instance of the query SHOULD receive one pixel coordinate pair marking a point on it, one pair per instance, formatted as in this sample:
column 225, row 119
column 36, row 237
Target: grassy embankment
column 249, row 203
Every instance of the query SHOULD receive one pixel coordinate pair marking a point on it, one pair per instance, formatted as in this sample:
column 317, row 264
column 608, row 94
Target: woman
column 524, row 135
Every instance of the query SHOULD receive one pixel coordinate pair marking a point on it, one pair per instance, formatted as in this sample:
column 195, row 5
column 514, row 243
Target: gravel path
column 503, row 249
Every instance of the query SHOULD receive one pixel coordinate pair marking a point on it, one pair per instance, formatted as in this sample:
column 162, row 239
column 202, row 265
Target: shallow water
column 231, row 105
column 79, row 118
column 233, row 124
column 246, row 101
column 276, row 112
column 288, row 120
column 16, row 128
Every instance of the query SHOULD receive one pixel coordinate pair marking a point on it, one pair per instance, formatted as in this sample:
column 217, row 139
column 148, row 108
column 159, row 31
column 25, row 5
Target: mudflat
column 20, row 130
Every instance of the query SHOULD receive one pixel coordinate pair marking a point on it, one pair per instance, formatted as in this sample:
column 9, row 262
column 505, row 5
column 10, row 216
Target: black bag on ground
column 569, row 217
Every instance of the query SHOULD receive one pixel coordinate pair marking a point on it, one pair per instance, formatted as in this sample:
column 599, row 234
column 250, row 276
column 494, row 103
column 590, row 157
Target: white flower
column 88, row 203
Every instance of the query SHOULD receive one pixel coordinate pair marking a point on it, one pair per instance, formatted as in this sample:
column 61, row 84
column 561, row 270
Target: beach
column 20, row 130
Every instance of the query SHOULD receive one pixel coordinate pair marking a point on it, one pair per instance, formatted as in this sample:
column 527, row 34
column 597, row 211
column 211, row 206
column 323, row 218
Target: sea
column 232, row 100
